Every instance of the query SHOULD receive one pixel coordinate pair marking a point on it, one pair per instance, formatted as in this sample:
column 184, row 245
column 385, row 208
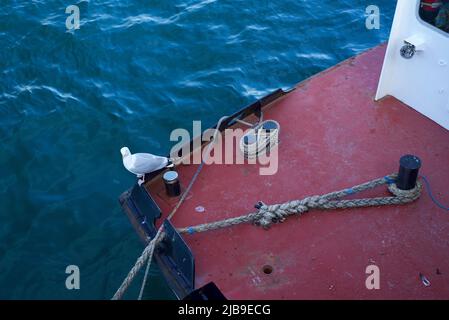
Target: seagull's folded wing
column 142, row 163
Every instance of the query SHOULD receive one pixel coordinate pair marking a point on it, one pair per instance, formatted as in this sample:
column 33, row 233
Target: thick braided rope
column 269, row 214
column 144, row 257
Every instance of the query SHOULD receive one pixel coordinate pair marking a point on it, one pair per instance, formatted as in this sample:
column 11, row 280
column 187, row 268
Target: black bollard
column 409, row 166
column 172, row 185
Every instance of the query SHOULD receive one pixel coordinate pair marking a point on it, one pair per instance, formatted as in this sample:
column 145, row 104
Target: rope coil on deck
column 267, row 215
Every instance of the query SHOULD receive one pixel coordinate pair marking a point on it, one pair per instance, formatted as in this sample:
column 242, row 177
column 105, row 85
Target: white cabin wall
column 421, row 82
column 388, row 70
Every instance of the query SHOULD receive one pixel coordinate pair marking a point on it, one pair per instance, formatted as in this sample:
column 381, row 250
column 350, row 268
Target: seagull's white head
column 125, row 152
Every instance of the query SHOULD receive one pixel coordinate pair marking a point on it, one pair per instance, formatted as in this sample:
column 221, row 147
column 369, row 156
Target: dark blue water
column 134, row 71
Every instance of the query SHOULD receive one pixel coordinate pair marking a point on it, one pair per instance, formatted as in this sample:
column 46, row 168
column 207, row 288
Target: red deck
column 333, row 136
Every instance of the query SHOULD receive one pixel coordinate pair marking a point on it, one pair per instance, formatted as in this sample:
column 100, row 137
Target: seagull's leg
column 141, row 179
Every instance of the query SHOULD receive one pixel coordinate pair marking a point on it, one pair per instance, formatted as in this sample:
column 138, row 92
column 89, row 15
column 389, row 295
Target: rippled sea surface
column 134, row 71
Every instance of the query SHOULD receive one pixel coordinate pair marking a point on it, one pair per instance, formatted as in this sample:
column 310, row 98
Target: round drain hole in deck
column 267, row 269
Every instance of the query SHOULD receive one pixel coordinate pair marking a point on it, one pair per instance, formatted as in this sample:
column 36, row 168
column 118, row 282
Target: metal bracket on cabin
column 173, row 255
column 408, row 51
column 412, row 45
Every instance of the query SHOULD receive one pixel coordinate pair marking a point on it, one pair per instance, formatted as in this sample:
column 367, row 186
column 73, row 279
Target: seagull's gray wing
column 142, row 163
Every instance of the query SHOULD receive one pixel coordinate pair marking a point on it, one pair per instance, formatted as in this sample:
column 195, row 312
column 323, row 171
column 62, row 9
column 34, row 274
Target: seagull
column 142, row 163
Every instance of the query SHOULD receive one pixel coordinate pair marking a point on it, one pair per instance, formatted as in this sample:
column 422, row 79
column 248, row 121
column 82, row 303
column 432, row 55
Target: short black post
column 409, row 166
column 172, row 185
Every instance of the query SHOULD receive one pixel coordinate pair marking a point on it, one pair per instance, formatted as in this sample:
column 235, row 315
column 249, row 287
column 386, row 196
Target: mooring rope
column 269, row 214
